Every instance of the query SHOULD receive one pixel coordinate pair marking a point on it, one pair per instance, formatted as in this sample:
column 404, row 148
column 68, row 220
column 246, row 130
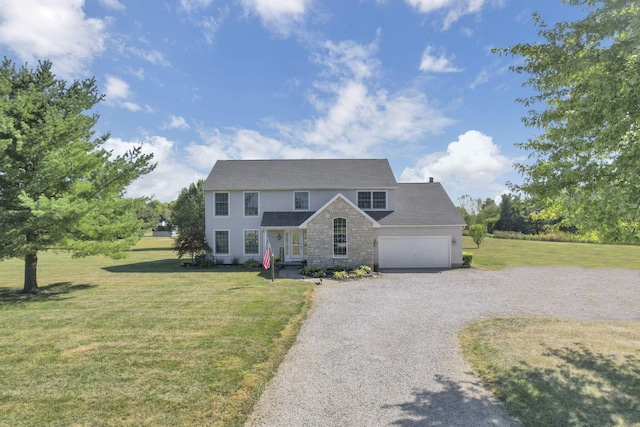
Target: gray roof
column 420, row 204
column 303, row 174
column 284, row 219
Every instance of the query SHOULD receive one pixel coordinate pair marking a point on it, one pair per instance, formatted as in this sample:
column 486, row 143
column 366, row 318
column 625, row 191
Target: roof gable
column 330, row 202
column 302, row 174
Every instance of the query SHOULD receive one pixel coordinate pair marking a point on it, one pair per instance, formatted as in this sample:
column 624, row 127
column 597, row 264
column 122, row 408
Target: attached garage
column 415, row 252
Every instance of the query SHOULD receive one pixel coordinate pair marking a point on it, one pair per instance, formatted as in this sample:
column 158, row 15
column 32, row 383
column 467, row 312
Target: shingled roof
column 302, row 174
column 420, row 204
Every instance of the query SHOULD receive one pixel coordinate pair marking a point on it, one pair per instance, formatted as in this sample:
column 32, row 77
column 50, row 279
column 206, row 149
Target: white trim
column 244, row 241
column 228, row 241
column 228, row 204
column 349, row 202
column 244, row 206
column 308, row 200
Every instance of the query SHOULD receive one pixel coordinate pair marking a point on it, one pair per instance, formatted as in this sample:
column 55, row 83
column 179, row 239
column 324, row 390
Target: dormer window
column 372, row 200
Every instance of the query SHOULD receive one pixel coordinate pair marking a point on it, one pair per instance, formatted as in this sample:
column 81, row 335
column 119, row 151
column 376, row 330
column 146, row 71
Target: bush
column 553, row 236
column 252, row 263
column 466, row 259
column 362, row 271
column 341, row 275
column 313, row 271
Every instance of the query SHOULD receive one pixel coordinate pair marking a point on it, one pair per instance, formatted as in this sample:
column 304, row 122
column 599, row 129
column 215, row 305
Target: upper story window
column 221, row 204
column 339, row 237
column 251, row 204
column 372, row 200
column 301, row 200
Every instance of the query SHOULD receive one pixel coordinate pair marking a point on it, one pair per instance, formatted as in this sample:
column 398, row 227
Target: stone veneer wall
column 320, row 237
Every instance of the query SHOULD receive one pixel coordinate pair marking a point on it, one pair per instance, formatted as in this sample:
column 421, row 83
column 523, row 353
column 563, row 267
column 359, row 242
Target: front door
column 296, row 245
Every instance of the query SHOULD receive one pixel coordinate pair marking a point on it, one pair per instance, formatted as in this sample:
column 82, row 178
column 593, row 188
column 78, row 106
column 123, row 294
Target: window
column 372, row 199
column 251, row 238
column 222, row 241
column 379, row 200
column 339, row 237
column 221, row 204
column 301, row 200
column 251, row 204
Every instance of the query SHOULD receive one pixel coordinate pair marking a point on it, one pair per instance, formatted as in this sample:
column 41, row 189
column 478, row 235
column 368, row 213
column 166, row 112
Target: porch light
column 279, row 237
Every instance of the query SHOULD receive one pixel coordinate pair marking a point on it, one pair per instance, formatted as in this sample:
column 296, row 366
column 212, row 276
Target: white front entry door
column 296, row 245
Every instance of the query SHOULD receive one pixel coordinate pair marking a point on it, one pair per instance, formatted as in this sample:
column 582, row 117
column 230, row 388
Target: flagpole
column 273, row 268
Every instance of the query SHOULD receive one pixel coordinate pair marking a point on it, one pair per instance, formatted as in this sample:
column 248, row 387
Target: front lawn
column 496, row 254
column 141, row 341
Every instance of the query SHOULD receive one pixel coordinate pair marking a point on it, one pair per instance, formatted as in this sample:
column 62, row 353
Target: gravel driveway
column 383, row 351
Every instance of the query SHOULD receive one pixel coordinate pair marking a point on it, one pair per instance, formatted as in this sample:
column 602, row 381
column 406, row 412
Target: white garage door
column 414, row 252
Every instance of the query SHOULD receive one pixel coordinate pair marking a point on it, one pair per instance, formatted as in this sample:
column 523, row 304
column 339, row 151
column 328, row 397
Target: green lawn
column 141, row 341
column 496, row 254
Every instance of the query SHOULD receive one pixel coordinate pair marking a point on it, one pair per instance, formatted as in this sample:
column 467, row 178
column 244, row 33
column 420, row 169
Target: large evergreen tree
column 59, row 188
column 586, row 75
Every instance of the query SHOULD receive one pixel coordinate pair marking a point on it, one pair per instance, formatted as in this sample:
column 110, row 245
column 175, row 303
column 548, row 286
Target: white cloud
column 210, row 24
column 473, row 161
column 194, row 5
column 355, row 117
column 349, row 59
column 437, row 64
column 117, row 92
column 481, row 78
column 170, row 175
column 176, row 122
column 455, row 9
column 116, row 89
column 131, row 106
column 151, row 55
column 55, row 30
column 112, row 4
column 278, row 15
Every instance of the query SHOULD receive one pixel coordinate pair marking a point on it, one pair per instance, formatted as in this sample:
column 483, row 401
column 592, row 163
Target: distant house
column 329, row 212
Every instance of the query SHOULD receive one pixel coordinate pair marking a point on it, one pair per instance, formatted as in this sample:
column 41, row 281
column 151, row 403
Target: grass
column 552, row 372
column 560, row 373
column 141, row 341
column 496, row 254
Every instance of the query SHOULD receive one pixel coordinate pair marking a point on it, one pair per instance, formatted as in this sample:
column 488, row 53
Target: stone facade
column 320, row 237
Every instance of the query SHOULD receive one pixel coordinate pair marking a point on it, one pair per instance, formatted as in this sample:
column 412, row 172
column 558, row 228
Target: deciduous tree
column 477, row 233
column 586, row 79
column 188, row 215
column 59, row 187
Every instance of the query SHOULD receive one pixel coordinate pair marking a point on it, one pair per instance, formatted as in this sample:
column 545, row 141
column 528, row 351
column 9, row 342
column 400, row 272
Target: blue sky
column 195, row 81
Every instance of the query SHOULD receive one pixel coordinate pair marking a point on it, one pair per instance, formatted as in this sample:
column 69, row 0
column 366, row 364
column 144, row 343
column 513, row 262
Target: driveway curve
column 383, row 351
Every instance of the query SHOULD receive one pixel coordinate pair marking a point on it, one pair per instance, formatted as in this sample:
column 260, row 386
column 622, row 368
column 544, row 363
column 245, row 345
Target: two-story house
column 329, row 212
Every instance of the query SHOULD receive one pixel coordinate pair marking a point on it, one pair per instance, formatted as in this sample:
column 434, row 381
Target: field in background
column 496, row 254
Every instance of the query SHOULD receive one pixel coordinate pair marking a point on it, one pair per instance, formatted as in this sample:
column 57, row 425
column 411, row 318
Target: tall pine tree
column 59, row 187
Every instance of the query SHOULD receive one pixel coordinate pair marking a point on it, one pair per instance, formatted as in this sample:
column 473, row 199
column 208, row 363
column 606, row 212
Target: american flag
column 266, row 260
